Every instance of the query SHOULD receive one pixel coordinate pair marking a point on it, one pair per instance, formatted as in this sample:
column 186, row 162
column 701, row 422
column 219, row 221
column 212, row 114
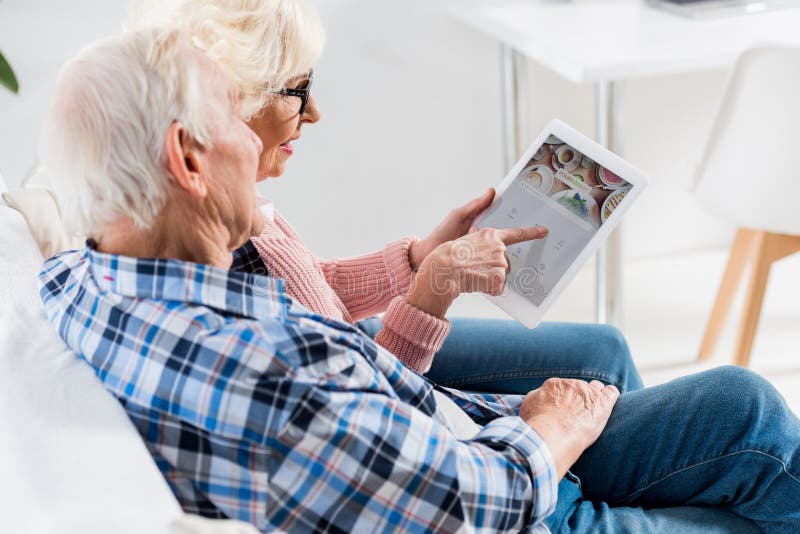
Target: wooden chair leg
column 782, row 245
column 741, row 254
column 754, row 298
column 768, row 249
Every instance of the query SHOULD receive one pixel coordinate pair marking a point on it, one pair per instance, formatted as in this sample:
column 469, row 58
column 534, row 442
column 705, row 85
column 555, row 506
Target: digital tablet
column 579, row 191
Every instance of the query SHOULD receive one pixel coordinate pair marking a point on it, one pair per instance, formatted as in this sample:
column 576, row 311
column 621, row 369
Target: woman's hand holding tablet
column 456, row 224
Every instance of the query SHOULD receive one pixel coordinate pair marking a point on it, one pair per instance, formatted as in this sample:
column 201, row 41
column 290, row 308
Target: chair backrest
column 751, row 168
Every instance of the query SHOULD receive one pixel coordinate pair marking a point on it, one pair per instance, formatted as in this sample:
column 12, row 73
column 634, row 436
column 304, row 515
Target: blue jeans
column 717, row 451
column 701, row 452
column 502, row 356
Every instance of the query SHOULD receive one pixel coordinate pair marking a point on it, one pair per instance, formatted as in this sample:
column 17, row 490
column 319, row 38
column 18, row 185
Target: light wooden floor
column 667, row 302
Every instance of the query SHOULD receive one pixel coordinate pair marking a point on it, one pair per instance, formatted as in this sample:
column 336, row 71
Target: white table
column 609, row 41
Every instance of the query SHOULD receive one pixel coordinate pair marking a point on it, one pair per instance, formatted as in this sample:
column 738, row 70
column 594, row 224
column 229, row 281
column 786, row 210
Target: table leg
column 508, row 77
column 608, row 274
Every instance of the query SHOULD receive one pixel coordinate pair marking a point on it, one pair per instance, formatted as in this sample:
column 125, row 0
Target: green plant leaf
column 7, row 78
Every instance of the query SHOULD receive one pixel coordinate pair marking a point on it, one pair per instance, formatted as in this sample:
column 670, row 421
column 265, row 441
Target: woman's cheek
column 265, row 164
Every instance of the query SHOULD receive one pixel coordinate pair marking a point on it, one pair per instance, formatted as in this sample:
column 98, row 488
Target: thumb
column 472, row 229
column 477, row 205
column 487, row 197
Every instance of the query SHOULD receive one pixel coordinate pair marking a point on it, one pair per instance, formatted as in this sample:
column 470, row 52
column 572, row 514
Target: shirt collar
column 245, row 294
column 267, row 208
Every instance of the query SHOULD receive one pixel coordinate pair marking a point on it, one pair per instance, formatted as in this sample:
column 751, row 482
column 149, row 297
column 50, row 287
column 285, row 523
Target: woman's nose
column 312, row 113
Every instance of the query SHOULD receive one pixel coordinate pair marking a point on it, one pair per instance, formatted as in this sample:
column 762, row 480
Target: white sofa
column 70, row 460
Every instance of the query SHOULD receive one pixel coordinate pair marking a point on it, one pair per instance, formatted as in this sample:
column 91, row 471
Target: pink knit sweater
column 355, row 288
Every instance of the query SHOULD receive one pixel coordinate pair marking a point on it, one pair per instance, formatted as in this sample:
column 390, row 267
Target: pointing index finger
column 509, row 236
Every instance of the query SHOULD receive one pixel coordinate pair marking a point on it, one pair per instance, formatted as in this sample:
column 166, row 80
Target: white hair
column 260, row 44
column 103, row 141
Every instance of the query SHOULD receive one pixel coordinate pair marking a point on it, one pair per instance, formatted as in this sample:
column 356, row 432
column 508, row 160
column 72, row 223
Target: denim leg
column 723, row 438
column 502, row 356
column 574, row 514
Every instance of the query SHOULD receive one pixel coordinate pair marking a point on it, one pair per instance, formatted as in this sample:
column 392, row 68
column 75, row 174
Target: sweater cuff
column 398, row 266
column 411, row 334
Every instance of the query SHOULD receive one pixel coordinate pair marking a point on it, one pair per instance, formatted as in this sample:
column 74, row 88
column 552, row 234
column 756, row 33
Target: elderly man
column 257, row 409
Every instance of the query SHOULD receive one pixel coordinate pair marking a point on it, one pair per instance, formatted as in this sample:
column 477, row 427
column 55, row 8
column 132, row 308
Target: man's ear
column 184, row 162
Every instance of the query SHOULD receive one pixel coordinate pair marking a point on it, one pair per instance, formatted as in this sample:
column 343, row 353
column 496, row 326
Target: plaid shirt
column 257, row 409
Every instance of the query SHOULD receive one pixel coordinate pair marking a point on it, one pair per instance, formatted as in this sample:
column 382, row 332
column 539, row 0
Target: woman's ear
column 184, row 161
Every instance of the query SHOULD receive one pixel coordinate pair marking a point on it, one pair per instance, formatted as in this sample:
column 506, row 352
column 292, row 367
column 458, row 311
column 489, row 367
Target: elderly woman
column 256, row 408
column 268, row 48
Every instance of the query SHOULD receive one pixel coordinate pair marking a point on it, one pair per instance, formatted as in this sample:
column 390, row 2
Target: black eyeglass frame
column 301, row 93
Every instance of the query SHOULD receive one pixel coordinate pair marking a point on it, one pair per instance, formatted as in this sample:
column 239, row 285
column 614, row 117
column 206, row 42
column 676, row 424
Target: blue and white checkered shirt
column 257, row 409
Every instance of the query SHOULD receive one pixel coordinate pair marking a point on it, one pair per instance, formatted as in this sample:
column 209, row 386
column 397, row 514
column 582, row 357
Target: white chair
column 749, row 176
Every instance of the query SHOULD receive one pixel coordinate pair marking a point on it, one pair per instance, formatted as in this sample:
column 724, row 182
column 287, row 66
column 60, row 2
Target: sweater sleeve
column 366, row 284
column 411, row 334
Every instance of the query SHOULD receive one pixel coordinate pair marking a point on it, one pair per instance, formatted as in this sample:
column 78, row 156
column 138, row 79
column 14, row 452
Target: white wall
column 436, row 118
column 411, row 122
column 36, row 37
column 410, row 127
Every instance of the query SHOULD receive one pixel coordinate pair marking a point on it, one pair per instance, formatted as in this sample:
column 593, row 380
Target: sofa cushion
column 39, row 207
column 192, row 524
column 70, row 458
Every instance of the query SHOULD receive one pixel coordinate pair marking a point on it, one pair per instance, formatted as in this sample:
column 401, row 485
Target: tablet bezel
column 516, row 305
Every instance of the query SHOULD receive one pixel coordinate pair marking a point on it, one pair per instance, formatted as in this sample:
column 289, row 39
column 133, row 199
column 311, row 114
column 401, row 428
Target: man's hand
column 569, row 415
column 456, row 224
column 476, row 262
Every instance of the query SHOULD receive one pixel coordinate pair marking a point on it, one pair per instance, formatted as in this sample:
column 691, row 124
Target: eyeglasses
column 302, row 92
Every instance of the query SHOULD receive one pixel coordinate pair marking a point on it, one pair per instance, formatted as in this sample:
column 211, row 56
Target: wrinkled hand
column 569, row 415
column 476, row 262
column 456, row 224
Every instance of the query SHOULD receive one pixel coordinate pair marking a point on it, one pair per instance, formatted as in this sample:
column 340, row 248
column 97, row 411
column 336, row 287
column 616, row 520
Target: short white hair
column 103, row 141
column 260, row 44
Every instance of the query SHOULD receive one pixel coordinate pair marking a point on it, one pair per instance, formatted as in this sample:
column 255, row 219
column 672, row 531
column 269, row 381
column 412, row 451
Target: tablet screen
column 568, row 193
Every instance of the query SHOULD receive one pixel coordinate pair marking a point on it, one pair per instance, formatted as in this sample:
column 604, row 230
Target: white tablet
column 579, row 191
